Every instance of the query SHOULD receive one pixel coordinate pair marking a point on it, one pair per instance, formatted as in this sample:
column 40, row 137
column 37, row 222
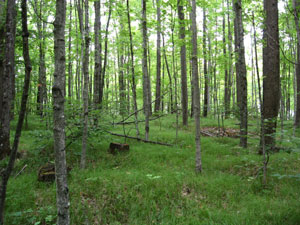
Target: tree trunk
column 169, row 75
column 241, row 72
column 196, row 88
column 85, row 94
column 8, row 75
column 184, row 92
column 145, row 70
column 9, row 168
column 271, row 80
column 133, row 74
column 2, row 53
column 158, row 59
column 227, row 75
column 206, row 78
column 296, row 4
column 62, row 191
column 102, row 79
column 70, row 74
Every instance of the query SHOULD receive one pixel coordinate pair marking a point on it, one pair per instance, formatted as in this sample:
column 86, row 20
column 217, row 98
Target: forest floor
column 154, row 184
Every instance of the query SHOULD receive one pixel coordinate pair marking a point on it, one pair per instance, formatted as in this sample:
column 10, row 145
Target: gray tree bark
column 206, row 78
column 97, row 71
column 271, row 68
column 85, row 94
column 132, row 73
column 158, row 59
column 62, row 191
column 184, row 92
column 6, row 173
column 296, row 4
column 241, row 72
column 196, row 88
column 9, row 64
column 146, row 80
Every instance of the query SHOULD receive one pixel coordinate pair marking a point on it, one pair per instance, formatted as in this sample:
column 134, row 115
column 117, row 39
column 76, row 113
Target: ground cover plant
column 154, row 184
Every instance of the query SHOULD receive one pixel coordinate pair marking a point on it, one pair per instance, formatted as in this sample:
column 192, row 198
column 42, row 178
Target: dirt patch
column 220, row 132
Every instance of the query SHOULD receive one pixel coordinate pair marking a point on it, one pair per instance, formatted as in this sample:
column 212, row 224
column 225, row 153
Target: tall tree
column 196, row 87
column 158, row 58
column 241, row 72
column 206, row 78
column 133, row 85
column 9, row 64
column 2, row 53
column 85, row 94
column 42, row 89
column 97, row 70
column 146, row 80
column 271, row 68
column 62, row 191
column 6, row 173
column 296, row 6
column 103, row 71
column 184, row 92
column 227, row 75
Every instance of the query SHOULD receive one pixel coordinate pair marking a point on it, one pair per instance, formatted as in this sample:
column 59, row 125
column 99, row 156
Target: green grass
column 154, row 184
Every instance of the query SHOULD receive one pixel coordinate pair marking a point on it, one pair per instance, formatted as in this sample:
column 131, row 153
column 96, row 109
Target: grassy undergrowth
column 154, row 184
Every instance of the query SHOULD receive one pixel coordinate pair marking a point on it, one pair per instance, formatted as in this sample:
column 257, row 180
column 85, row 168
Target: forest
column 149, row 112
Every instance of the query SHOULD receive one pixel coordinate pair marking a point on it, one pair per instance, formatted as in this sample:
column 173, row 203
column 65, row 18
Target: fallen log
column 140, row 139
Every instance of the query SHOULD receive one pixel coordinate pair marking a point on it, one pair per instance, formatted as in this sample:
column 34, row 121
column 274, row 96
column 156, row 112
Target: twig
column 24, row 167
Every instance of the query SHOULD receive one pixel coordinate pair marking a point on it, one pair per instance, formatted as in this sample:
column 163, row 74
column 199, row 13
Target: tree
column 146, row 80
column 241, row 72
column 62, row 191
column 9, row 64
column 135, row 108
column 184, row 92
column 158, row 58
column 85, row 94
column 296, row 5
column 196, row 87
column 97, row 70
column 206, row 77
column 271, row 78
column 6, row 173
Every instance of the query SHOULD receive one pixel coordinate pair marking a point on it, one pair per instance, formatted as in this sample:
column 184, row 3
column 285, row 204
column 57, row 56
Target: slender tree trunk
column 62, row 191
column 296, row 4
column 227, row 75
column 184, row 92
column 97, row 70
column 271, row 81
column 241, row 72
column 145, row 70
column 206, row 78
column 196, row 88
column 2, row 53
column 70, row 74
column 132, row 73
column 105, row 54
column 8, row 75
column 86, row 86
column 169, row 75
column 158, row 59
column 230, row 67
column 122, row 87
column 9, row 168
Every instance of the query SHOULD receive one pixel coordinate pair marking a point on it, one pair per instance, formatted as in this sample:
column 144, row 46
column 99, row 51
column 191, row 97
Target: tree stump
column 115, row 148
column 47, row 173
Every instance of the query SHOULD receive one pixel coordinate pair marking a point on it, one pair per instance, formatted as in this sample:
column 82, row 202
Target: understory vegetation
column 154, row 184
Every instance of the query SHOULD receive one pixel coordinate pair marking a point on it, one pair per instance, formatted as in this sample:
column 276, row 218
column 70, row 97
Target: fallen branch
column 141, row 121
column 140, row 139
column 24, row 167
